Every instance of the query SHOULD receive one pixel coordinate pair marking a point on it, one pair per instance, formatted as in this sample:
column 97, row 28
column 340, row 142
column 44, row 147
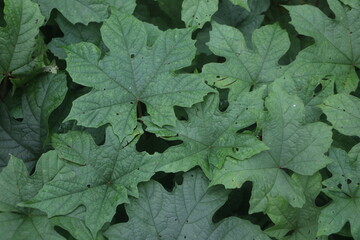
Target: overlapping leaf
column 16, row 186
column 185, row 213
column 110, row 173
column 198, row 12
column 209, row 136
column 25, row 139
column 18, row 38
column 343, row 189
column 245, row 68
column 74, row 34
column 297, row 223
column 85, row 11
column 132, row 73
column 244, row 20
column 293, row 146
column 336, row 50
column 343, row 111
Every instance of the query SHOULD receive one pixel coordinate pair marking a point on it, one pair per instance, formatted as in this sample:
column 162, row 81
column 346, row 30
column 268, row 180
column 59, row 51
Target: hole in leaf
column 348, row 181
column 132, row 55
column 88, row 186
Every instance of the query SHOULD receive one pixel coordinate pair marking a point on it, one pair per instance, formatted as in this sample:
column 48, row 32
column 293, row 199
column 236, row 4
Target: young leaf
column 185, row 213
column 18, row 38
column 245, row 68
column 343, row 189
column 16, row 186
column 197, row 12
column 209, row 136
column 132, row 73
column 26, row 139
column 110, row 174
column 293, row 146
column 297, row 223
column 343, row 111
column 336, row 50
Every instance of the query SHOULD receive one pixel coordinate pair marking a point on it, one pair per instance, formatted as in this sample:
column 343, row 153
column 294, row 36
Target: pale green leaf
column 25, row 139
column 343, row 189
column 245, row 68
column 132, row 73
column 296, row 223
column 185, row 213
column 16, row 186
column 74, row 223
column 336, row 50
column 241, row 3
column 18, row 37
column 206, row 145
column 85, row 11
column 111, row 174
column 343, row 111
column 195, row 13
column 294, row 146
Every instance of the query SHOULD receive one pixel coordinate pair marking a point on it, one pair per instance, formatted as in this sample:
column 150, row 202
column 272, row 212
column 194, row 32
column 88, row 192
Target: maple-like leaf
column 209, row 135
column 133, row 72
column 185, row 213
column 74, row 223
column 296, row 223
column 85, row 11
column 244, row 20
column 195, row 13
column 25, row 139
column 18, row 38
column 312, row 91
column 294, row 146
column 16, row 186
column 336, row 50
column 343, row 111
column 74, row 33
column 343, row 189
column 110, row 173
column 245, row 68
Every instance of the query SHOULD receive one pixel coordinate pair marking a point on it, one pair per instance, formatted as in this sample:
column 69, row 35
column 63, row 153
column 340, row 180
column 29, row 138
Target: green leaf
column 336, row 50
column 343, row 189
column 343, row 111
column 245, row 68
column 185, row 213
column 241, row 3
column 294, row 146
column 206, row 145
column 85, row 11
column 240, row 18
column 74, row 223
column 18, row 38
column 307, row 88
column 74, row 34
column 16, row 186
column 132, row 73
column 25, row 139
column 197, row 12
column 110, row 174
column 297, row 223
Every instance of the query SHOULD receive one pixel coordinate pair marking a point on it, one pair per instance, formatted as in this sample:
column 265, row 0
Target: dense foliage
column 180, row 119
